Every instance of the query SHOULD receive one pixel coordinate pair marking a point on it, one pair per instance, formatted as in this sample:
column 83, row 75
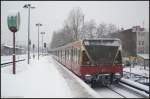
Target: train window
column 69, row 55
column 58, row 53
column 62, row 54
column 73, row 54
column 118, row 59
column 85, row 59
column 76, row 55
column 86, row 42
column 79, row 56
column 65, row 55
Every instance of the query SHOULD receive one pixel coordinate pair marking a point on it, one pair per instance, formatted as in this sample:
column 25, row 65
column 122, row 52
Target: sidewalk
column 39, row 79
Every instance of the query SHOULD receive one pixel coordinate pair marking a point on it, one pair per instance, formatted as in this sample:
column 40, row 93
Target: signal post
column 13, row 21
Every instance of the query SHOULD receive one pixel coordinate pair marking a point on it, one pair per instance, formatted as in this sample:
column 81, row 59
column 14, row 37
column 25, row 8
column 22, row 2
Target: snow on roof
column 102, row 38
column 11, row 46
column 145, row 56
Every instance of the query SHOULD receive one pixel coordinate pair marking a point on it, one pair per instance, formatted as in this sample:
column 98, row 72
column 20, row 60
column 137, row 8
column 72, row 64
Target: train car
column 93, row 60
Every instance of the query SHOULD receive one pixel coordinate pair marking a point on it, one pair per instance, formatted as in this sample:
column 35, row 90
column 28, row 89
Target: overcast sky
column 53, row 13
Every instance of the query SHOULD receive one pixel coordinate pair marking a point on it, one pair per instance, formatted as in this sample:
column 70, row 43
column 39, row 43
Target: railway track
column 119, row 91
column 123, row 96
column 137, row 78
column 8, row 63
column 129, row 91
column 107, row 92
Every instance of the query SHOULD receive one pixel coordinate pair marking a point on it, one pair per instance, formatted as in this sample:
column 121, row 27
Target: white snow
column 5, row 59
column 10, row 46
column 88, row 89
column 134, row 90
column 107, row 93
column 145, row 56
column 138, row 85
column 138, row 70
column 39, row 79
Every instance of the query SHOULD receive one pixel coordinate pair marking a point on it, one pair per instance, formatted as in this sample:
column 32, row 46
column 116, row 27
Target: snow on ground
column 107, row 93
column 138, row 70
column 138, row 85
column 86, row 89
column 135, row 91
column 5, row 59
column 39, row 79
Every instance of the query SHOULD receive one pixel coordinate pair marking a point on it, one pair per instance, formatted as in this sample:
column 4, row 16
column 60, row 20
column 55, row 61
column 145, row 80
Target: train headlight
column 88, row 77
column 117, row 75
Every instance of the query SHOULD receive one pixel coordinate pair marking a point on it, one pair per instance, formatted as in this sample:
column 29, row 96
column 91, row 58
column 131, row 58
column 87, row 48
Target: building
column 146, row 43
column 8, row 50
column 143, row 60
column 134, row 41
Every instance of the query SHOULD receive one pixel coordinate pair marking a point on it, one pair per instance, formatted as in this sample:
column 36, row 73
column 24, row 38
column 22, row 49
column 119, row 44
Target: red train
column 93, row 60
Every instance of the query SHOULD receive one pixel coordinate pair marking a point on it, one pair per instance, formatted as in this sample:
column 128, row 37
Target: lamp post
column 38, row 25
column 42, row 33
column 29, row 41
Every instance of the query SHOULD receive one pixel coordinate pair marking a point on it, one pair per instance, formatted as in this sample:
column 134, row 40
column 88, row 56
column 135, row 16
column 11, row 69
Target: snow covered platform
column 41, row 79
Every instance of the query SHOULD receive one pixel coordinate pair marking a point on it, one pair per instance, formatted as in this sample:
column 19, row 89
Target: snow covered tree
column 75, row 22
column 89, row 29
column 111, row 28
column 101, row 30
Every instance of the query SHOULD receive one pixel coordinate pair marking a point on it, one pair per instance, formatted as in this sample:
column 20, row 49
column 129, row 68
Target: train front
column 101, row 61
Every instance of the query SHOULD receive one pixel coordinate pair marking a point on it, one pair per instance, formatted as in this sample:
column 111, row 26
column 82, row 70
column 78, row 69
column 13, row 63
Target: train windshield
column 101, row 52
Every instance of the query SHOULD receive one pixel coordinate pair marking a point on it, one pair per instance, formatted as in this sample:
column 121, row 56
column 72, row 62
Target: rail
column 140, row 78
column 137, row 75
column 135, row 85
column 117, row 92
column 6, row 63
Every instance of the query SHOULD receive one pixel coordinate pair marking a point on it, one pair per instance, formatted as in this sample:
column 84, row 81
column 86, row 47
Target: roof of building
column 12, row 46
column 144, row 56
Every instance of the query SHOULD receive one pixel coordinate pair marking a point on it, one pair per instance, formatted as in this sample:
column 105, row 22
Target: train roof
column 97, row 39
column 103, row 39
